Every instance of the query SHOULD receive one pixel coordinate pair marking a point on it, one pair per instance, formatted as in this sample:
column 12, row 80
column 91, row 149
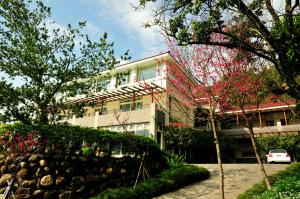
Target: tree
column 289, row 142
column 50, row 64
column 258, row 27
column 227, row 78
column 208, row 65
column 247, row 92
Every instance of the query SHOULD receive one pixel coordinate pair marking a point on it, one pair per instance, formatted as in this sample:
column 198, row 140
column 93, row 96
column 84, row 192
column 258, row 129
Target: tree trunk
column 257, row 154
column 43, row 115
column 220, row 167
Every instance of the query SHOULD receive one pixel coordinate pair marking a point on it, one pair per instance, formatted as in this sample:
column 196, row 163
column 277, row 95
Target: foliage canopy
column 49, row 61
column 268, row 31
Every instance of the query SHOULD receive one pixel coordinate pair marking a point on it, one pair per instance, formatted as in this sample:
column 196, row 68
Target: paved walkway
column 238, row 178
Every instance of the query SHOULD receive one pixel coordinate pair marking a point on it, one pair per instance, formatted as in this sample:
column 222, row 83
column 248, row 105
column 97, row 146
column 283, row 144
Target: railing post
column 96, row 119
column 74, row 120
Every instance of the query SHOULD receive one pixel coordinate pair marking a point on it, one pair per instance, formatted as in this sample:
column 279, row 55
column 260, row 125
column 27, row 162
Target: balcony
column 241, row 132
column 84, row 121
column 117, row 118
column 113, row 117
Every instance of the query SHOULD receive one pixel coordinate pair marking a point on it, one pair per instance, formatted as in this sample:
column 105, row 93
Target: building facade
column 275, row 118
column 140, row 97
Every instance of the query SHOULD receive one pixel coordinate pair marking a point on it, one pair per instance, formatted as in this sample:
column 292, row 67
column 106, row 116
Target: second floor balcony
column 258, row 131
column 114, row 117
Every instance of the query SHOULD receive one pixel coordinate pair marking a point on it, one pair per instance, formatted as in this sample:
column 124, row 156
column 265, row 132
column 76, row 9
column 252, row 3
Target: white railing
column 85, row 121
column 128, row 117
column 112, row 118
column 269, row 129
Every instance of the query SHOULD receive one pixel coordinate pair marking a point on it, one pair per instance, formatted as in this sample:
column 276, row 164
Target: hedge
column 165, row 182
column 259, row 188
column 66, row 138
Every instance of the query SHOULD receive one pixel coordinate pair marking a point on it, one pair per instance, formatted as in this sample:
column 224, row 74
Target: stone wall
column 64, row 176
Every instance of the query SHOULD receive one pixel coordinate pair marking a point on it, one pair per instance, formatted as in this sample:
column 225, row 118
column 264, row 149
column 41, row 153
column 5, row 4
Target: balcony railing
column 113, row 117
column 117, row 118
column 263, row 130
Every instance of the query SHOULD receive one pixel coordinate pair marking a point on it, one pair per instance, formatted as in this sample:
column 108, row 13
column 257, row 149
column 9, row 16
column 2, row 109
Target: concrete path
column 238, row 178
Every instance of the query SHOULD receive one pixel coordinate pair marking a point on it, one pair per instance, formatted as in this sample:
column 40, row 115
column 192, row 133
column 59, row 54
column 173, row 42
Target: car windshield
column 278, row 151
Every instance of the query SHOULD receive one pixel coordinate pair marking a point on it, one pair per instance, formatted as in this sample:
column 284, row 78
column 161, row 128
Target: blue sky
column 117, row 17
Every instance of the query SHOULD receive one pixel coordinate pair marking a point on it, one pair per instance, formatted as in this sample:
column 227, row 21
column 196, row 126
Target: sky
column 118, row 18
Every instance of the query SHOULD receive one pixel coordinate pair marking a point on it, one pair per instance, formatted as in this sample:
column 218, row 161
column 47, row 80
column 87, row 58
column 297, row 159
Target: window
column 102, row 85
column 139, row 105
column 269, row 122
column 282, row 121
column 79, row 91
column 147, row 73
column 103, row 112
column 125, row 107
column 144, row 132
column 123, row 79
column 158, row 71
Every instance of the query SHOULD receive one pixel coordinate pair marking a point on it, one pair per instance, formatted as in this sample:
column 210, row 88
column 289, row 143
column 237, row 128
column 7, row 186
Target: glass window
column 79, row 91
column 125, row 107
column 102, row 84
column 123, row 79
column 282, row 121
column 158, row 71
column 147, row 73
column 144, row 132
column 269, row 122
column 138, row 105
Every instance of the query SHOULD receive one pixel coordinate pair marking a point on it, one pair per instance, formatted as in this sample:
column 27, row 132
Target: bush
column 188, row 142
column 4, row 128
column 288, row 187
column 175, row 161
column 259, row 188
column 167, row 181
column 65, row 136
column 69, row 139
column 289, row 142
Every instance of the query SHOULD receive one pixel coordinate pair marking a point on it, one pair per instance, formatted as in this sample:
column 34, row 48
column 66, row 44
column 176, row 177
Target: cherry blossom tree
column 208, row 65
column 221, row 75
column 246, row 93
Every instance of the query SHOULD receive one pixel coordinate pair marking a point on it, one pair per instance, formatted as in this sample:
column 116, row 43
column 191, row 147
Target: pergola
column 124, row 92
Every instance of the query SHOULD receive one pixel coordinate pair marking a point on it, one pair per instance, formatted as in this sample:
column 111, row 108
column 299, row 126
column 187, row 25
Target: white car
column 278, row 155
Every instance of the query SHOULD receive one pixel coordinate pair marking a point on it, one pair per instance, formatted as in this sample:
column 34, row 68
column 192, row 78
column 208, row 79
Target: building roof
column 266, row 107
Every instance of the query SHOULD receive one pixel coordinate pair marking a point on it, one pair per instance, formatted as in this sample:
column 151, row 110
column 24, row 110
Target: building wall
column 156, row 109
column 244, row 151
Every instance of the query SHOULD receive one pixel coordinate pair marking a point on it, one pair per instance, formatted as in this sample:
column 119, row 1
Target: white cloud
column 90, row 29
column 51, row 26
column 131, row 22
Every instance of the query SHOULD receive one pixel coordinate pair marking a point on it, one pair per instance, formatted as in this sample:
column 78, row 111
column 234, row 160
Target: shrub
column 259, row 188
column 167, row 181
column 4, row 128
column 288, row 187
column 65, row 136
column 69, row 139
column 288, row 142
column 175, row 161
column 18, row 144
column 189, row 141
